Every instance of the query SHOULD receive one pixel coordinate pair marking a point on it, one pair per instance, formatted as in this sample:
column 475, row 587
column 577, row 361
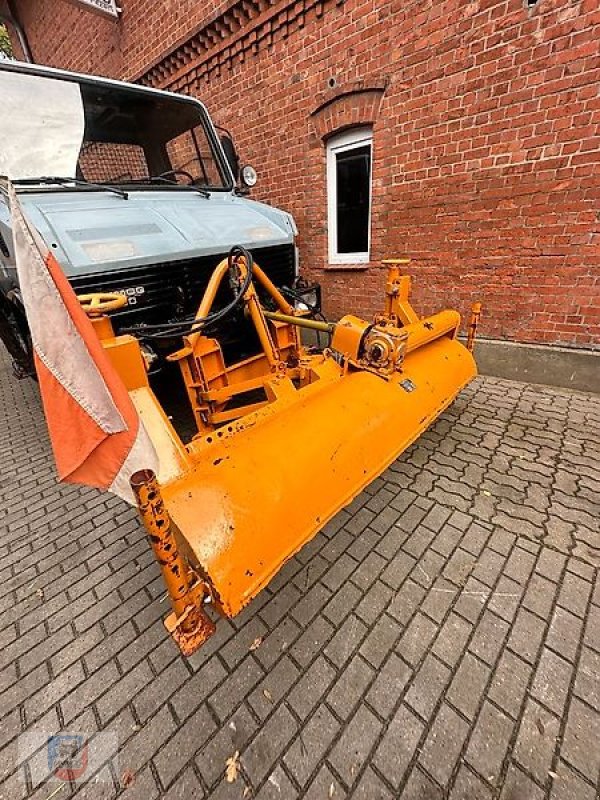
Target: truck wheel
column 14, row 333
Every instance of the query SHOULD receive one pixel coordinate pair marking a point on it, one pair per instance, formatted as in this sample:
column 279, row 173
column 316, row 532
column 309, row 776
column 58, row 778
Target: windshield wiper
column 48, row 180
column 199, row 189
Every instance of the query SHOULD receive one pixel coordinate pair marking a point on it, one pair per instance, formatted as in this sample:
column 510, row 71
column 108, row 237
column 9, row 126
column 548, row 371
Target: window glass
column 192, row 153
column 122, row 162
column 353, row 177
column 104, row 133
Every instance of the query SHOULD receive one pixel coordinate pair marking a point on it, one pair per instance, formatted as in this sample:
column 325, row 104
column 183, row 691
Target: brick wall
column 485, row 117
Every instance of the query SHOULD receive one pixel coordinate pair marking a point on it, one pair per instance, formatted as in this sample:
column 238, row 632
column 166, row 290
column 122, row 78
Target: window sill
column 353, row 266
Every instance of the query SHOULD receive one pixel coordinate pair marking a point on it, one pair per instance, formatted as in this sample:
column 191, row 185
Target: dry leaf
column 331, row 789
column 268, row 695
column 552, row 774
column 232, row 767
column 256, row 643
column 247, row 791
column 540, row 726
column 127, row 778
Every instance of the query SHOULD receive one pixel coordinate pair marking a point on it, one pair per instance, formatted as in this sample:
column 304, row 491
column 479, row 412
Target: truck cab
column 133, row 192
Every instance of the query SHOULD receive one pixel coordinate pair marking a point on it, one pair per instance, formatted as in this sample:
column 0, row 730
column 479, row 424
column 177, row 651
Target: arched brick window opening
column 344, row 131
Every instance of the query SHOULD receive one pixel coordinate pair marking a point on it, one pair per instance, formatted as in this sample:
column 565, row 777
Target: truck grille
column 168, row 290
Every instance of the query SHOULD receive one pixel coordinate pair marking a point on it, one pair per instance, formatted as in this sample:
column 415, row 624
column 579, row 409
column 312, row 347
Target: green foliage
column 6, row 50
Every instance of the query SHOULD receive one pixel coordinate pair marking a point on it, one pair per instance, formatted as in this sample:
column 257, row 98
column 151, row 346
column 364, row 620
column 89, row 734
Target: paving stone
column 406, row 601
column 518, row 784
column 84, row 695
column 444, row 742
column 509, row 683
column 420, row 786
column 398, row 746
column 143, row 787
column 389, row 685
column 276, row 786
column 188, row 739
column 564, row 633
column 568, row 785
column 305, row 753
column 489, row 637
column 325, row 785
column 443, row 601
column 353, row 747
column 574, row 594
column 550, row 564
column 140, row 748
column 468, row 685
column 469, row 786
column 551, row 681
column 371, row 787
column 427, row 687
column 350, row 687
column 345, row 641
column 471, row 601
column 582, row 733
column 489, row 741
column 237, row 686
column 273, row 687
column 373, row 603
column 122, row 691
column 587, row 682
column 380, row 640
column 237, row 647
column 279, row 640
column 311, row 604
column 540, row 596
column 520, row 565
column 196, row 690
column 160, row 689
column 342, row 603
column 416, row 639
column 452, row 639
column 230, row 738
column 536, row 741
column 269, row 744
column 526, row 635
column 312, row 641
column 311, row 687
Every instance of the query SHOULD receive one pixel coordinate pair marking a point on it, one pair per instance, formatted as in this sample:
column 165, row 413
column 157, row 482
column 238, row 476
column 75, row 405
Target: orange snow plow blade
column 284, row 439
column 255, row 496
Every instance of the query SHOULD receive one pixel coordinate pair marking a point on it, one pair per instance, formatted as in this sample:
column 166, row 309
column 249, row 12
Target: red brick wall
column 486, row 140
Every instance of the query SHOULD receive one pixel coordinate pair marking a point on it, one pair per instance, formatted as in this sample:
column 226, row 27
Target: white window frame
column 349, row 140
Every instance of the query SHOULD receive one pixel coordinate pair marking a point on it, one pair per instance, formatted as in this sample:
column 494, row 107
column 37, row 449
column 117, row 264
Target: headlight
column 249, row 176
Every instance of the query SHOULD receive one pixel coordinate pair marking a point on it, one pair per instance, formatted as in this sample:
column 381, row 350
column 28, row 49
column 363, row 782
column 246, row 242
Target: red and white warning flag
column 97, row 436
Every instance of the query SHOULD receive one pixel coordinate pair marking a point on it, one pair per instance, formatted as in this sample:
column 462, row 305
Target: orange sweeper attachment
column 284, row 439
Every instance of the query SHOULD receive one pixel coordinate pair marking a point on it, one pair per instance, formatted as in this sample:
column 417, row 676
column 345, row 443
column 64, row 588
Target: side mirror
column 231, row 155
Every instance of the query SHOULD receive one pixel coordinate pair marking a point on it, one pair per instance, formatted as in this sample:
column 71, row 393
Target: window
column 125, row 162
column 349, row 158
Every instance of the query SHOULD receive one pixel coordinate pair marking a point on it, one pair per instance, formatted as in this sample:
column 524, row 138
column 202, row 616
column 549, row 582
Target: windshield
column 104, row 134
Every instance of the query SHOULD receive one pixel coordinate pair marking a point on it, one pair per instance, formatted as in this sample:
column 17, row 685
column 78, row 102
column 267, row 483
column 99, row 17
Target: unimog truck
column 133, row 191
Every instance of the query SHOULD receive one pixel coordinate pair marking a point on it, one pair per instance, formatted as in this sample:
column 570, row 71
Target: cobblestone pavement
column 440, row 638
